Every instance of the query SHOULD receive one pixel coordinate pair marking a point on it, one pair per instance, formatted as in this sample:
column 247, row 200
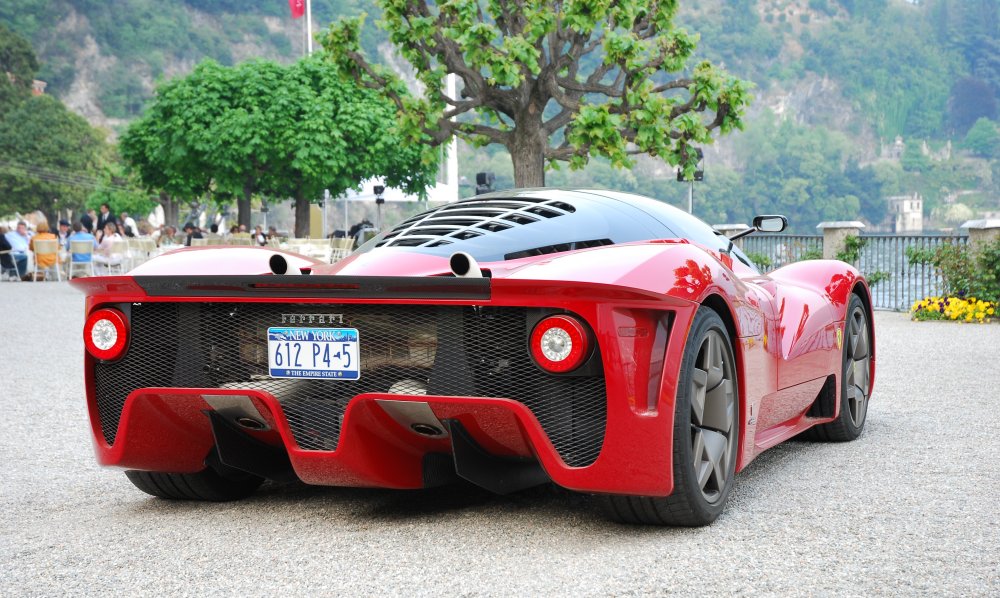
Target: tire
column 855, row 379
column 706, row 435
column 207, row 484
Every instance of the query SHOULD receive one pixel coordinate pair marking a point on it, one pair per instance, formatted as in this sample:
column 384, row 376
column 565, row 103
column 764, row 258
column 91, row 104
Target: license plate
column 325, row 353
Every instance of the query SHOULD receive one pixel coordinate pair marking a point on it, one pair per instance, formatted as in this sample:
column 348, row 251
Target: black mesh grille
column 444, row 350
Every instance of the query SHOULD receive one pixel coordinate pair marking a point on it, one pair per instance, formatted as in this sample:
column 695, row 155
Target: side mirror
column 764, row 224
column 770, row 223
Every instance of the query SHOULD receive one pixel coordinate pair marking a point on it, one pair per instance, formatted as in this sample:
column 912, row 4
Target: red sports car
column 600, row 341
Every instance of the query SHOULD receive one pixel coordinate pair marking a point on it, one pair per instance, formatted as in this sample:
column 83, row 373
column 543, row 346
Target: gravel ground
column 912, row 507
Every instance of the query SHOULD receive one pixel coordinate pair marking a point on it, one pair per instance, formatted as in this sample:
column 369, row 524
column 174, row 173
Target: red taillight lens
column 559, row 344
column 106, row 334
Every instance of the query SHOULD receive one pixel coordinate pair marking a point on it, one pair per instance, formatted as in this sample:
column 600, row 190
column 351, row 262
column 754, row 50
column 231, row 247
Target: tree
column 550, row 81
column 261, row 128
column 161, row 150
column 121, row 191
column 49, row 157
column 971, row 99
column 18, row 63
column 329, row 133
column 983, row 139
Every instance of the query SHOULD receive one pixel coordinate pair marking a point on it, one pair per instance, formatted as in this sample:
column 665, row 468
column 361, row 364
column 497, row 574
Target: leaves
column 550, row 81
column 48, row 157
column 279, row 131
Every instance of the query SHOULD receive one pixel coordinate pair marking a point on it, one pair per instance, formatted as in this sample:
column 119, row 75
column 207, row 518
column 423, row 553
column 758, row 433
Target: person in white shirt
column 105, row 254
column 129, row 228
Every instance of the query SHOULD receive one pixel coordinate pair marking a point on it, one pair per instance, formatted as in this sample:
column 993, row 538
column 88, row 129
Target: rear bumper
column 167, row 429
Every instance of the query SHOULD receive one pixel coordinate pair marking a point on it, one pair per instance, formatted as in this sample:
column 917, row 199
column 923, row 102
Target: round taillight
column 559, row 344
column 106, row 334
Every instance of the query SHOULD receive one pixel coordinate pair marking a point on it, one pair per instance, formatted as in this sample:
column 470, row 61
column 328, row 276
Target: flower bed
column 955, row 308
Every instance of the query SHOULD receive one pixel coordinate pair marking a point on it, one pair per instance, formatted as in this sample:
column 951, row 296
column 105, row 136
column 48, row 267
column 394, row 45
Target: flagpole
column 309, row 28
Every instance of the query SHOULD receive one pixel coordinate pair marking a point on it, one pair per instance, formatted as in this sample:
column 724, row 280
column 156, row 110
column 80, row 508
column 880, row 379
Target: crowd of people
column 105, row 232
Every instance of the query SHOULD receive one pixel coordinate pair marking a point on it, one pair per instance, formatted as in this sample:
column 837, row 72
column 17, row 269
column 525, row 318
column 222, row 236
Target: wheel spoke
column 860, row 350
column 859, row 405
column 719, row 407
column 714, row 458
column 861, row 372
column 699, row 381
column 713, row 360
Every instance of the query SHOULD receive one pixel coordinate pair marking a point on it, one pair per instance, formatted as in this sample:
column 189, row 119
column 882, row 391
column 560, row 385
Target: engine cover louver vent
column 472, row 218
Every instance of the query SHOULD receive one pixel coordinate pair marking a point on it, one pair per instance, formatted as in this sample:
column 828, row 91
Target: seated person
column 64, row 233
column 7, row 266
column 80, row 234
column 42, row 233
column 167, row 238
column 18, row 240
column 192, row 232
column 105, row 253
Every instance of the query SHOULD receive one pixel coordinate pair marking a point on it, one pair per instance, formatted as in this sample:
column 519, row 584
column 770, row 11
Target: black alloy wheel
column 706, row 435
column 855, row 379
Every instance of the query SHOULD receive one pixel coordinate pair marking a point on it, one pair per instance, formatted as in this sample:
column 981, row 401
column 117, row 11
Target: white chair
column 115, row 260
column 45, row 248
column 81, row 257
column 341, row 248
column 8, row 267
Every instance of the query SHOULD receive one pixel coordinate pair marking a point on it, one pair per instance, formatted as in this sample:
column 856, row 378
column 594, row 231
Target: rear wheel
column 706, row 435
column 206, row 484
column 855, row 379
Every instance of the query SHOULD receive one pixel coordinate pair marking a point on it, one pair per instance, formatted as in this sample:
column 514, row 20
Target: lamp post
column 379, row 200
column 484, row 182
column 699, row 175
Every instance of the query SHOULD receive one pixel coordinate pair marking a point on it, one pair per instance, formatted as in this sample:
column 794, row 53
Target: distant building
column 38, row 87
column 906, row 213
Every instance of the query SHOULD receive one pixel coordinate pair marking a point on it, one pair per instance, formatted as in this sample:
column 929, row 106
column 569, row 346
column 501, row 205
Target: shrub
column 964, row 271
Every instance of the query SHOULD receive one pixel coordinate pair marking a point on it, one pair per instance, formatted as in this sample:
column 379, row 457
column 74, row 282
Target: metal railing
column 906, row 282
column 883, row 258
column 780, row 250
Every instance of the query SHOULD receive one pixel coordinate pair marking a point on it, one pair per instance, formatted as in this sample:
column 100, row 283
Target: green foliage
column 853, row 245
column 278, row 131
column 18, row 61
column 966, row 272
column 512, row 69
column 121, row 191
column 48, row 155
column 919, row 255
column 877, row 276
column 762, row 260
column 913, row 159
column 983, row 139
column 887, row 66
column 812, row 254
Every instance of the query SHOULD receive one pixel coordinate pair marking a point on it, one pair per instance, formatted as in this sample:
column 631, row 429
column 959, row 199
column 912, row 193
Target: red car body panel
column 786, row 331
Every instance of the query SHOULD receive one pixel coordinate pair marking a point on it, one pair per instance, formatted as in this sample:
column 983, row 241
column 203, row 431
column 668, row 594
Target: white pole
column 326, row 201
column 309, row 28
column 451, row 170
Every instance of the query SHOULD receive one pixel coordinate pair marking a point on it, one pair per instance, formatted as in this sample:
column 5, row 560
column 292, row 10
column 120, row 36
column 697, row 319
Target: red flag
column 298, row 8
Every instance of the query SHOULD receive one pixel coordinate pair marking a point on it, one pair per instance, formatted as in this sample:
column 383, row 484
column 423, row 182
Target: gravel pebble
column 912, row 507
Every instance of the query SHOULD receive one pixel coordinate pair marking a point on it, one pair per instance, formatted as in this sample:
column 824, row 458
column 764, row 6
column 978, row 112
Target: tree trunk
column 243, row 204
column 301, row 214
column 527, row 152
column 169, row 208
